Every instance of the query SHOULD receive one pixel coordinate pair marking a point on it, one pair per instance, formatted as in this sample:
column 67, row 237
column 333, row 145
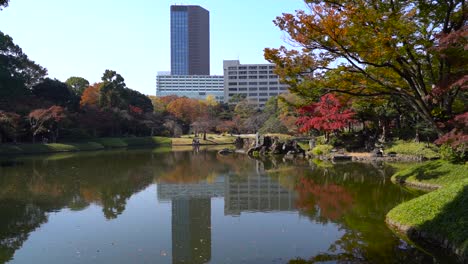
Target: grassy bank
column 211, row 139
column 97, row 144
column 440, row 216
column 411, row 148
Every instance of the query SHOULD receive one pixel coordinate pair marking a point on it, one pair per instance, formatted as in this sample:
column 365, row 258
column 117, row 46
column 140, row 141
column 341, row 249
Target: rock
column 225, row 151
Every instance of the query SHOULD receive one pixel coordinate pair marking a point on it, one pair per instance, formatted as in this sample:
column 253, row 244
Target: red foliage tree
column 44, row 121
column 457, row 138
column 328, row 115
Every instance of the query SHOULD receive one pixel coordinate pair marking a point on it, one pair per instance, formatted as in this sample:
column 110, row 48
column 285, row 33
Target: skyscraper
column 190, row 40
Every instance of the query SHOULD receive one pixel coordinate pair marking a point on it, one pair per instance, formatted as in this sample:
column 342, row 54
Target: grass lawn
column 96, row 144
column 438, row 173
column 441, row 214
column 48, row 148
column 426, row 150
column 210, row 139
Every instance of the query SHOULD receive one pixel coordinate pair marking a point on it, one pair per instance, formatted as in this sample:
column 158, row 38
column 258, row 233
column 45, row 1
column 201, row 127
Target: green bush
column 453, row 155
column 320, row 150
column 422, row 149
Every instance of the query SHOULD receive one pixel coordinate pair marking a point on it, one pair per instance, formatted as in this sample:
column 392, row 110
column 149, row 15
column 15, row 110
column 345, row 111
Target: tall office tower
column 190, row 40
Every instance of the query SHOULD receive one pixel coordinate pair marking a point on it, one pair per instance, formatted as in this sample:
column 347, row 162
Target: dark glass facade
column 190, row 40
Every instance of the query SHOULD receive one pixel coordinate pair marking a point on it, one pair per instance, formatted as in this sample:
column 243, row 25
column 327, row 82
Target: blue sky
column 85, row 37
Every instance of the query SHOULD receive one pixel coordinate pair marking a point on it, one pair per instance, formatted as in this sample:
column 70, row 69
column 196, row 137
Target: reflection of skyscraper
column 190, row 40
column 191, row 218
column 191, row 230
column 256, row 193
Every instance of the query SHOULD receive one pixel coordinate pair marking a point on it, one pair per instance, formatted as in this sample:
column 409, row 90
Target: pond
column 162, row 206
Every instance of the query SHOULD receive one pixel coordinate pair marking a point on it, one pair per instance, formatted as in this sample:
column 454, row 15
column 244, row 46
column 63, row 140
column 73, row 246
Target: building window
column 263, row 77
column 252, row 77
column 252, row 67
column 273, row 76
column 273, row 94
column 263, row 94
column 242, row 89
column 263, row 83
column 263, row 67
column 263, row 72
column 252, row 94
column 273, row 83
column 263, row 99
column 253, row 89
column 272, row 66
column 283, row 88
column 232, row 73
column 252, row 72
column 242, row 68
column 273, row 88
column 253, row 83
column 232, row 89
column 232, row 77
column 242, row 72
column 233, row 83
column 243, row 83
column 242, row 77
column 263, row 88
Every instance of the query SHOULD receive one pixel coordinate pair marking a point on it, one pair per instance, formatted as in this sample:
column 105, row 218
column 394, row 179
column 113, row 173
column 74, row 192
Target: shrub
column 320, row 150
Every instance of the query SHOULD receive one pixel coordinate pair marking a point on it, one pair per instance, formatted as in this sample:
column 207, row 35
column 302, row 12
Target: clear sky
column 85, row 37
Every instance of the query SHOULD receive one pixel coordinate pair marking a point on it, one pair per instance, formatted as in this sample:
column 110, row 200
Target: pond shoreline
column 433, row 218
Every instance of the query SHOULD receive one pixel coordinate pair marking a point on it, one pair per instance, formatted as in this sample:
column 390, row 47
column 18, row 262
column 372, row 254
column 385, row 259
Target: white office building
column 191, row 86
column 256, row 82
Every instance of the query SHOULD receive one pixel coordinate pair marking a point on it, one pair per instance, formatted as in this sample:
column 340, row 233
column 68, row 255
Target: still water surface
column 156, row 206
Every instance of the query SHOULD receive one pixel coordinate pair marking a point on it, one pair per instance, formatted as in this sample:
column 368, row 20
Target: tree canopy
column 413, row 50
column 77, row 84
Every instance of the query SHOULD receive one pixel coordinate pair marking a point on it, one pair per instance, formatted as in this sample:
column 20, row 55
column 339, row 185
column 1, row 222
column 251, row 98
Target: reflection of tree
column 333, row 200
column 17, row 221
column 355, row 197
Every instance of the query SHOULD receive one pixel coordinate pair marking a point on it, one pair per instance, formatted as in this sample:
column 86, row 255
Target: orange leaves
column 186, row 109
column 90, row 96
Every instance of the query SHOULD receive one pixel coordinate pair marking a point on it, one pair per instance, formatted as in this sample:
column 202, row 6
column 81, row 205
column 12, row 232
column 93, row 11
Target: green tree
column 17, row 72
column 3, row 3
column 77, row 84
column 414, row 50
column 56, row 92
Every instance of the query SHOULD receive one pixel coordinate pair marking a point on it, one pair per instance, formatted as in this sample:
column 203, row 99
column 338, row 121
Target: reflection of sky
column 143, row 234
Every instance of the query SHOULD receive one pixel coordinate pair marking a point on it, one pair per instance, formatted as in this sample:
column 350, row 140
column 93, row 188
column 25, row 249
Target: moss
column 425, row 150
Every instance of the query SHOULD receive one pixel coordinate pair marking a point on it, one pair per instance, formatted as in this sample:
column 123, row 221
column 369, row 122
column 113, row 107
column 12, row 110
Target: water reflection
column 348, row 199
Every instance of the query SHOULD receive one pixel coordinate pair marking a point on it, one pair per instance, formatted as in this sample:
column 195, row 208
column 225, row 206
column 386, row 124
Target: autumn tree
column 413, row 50
column 90, row 96
column 45, row 121
column 327, row 116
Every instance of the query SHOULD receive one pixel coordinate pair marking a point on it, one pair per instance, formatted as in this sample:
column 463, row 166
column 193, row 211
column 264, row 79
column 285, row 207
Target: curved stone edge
column 416, row 235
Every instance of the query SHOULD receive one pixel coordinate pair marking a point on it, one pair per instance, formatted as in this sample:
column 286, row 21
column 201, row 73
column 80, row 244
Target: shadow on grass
column 423, row 172
column 448, row 231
